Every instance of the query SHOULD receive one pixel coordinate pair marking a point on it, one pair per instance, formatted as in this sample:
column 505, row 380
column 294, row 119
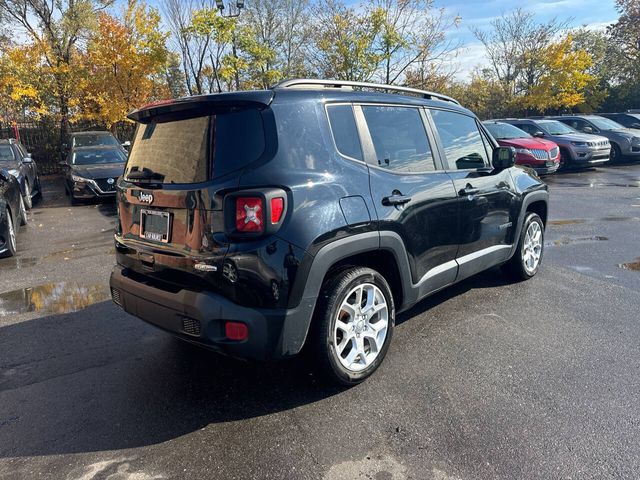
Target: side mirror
column 126, row 144
column 63, row 163
column 587, row 129
column 27, row 159
column 538, row 134
column 5, row 175
column 503, row 157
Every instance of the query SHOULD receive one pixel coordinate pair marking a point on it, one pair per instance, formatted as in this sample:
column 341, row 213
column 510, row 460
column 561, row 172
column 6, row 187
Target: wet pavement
column 487, row 379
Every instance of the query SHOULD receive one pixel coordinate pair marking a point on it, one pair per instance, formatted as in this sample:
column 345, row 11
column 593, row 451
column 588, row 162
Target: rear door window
column 463, row 145
column 197, row 149
column 344, row 130
column 399, row 138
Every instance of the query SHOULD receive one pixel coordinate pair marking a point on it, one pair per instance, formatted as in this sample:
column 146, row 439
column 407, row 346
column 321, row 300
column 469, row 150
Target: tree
column 125, row 60
column 562, row 81
column 413, row 33
column 514, row 44
column 55, row 29
column 344, row 41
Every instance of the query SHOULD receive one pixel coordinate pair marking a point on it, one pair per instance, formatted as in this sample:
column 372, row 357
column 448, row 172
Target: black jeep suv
column 254, row 223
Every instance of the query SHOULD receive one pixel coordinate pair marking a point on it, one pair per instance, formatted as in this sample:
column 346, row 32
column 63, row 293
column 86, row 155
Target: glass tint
column 345, row 133
column 94, row 140
column 461, row 140
column 94, row 157
column 179, row 151
column 504, row 131
column 399, row 138
column 554, row 127
column 6, row 154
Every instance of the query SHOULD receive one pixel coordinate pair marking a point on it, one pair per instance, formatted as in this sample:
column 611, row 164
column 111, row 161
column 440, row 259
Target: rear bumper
column 199, row 317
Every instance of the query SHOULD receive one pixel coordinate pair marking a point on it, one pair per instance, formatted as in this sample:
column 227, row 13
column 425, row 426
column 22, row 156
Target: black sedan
column 91, row 172
column 18, row 162
column 12, row 213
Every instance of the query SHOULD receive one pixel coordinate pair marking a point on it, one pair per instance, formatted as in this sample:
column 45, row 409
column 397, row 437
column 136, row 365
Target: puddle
column 570, row 240
column 595, row 184
column 592, row 220
column 17, row 263
column 62, row 297
column 635, row 266
column 566, row 222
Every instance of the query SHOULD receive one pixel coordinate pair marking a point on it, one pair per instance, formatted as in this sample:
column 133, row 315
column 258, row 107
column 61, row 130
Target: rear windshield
column 94, row 140
column 196, row 149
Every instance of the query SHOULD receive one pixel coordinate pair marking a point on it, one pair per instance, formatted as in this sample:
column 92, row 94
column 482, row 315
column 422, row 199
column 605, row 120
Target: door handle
column 468, row 190
column 396, row 200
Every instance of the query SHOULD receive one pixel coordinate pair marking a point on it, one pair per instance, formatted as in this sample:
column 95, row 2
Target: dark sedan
column 18, row 162
column 12, row 213
column 91, row 172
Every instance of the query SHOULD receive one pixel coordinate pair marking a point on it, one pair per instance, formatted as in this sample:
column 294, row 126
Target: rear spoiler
column 202, row 104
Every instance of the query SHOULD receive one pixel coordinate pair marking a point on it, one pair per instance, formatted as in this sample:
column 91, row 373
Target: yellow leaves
column 564, row 79
column 122, row 60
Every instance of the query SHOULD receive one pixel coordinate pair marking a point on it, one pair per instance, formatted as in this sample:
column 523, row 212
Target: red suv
column 541, row 155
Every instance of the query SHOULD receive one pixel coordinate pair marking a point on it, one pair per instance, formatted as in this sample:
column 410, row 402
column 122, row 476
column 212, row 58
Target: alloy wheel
column 12, row 233
column 532, row 249
column 361, row 327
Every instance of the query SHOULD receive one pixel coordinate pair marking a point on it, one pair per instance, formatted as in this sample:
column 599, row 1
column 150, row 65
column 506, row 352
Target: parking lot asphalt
column 487, row 379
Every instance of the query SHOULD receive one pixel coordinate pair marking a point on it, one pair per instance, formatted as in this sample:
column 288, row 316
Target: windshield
column 605, row 124
column 505, row 131
column 95, row 157
column 196, row 149
column 554, row 127
column 6, row 156
column 94, row 140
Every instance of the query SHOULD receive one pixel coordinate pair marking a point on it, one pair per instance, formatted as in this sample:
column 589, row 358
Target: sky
column 591, row 13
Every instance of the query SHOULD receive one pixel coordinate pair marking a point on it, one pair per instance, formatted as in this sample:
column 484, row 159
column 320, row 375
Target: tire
column 565, row 160
column 11, row 244
column 23, row 212
column 616, row 154
column 351, row 350
column 28, row 202
column 39, row 194
column 527, row 258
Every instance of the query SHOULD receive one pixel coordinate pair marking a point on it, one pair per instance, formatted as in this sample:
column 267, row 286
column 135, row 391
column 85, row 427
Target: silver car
column 625, row 142
column 577, row 150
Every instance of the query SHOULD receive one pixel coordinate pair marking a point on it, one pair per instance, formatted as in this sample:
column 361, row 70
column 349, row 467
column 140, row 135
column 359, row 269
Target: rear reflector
column 277, row 207
column 236, row 331
column 249, row 214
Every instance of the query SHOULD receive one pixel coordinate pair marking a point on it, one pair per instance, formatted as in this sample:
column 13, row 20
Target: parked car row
column 94, row 161
column 569, row 141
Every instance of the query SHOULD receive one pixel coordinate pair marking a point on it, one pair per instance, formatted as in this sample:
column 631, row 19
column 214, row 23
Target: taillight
column 254, row 213
column 277, row 208
column 236, row 331
column 250, row 214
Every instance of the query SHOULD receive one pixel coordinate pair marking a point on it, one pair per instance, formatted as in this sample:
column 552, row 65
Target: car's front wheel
column 27, row 196
column 525, row 262
column 355, row 320
column 11, row 245
column 616, row 154
column 23, row 213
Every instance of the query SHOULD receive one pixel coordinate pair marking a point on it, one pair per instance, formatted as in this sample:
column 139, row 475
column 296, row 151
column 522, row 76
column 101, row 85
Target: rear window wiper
column 145, row 175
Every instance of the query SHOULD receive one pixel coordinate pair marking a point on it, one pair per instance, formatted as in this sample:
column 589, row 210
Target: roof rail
column 298, row 82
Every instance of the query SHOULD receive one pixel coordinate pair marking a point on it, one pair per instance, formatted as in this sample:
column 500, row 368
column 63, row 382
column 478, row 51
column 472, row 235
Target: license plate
column 155, row 225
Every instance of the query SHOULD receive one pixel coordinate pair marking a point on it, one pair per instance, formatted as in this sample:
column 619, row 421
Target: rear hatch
column 185, row 157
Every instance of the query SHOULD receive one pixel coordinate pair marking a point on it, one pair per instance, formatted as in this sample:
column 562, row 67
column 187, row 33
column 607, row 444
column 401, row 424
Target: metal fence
column 42, row 139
